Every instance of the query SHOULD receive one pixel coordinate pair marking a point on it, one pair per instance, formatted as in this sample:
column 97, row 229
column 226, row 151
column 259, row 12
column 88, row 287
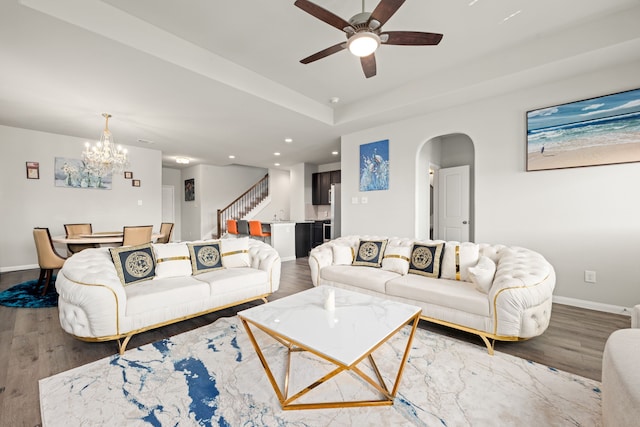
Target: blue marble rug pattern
column 212, row 376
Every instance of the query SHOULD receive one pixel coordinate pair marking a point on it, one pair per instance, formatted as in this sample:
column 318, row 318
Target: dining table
column 104, row 237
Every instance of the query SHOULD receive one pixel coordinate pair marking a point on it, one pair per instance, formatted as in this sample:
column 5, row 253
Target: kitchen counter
column 283, row 239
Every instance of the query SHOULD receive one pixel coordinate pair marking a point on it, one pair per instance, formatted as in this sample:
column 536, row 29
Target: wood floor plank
column 34, row 346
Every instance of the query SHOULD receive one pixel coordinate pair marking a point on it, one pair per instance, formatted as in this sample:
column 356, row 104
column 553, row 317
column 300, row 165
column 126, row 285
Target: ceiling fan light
column 363, row 43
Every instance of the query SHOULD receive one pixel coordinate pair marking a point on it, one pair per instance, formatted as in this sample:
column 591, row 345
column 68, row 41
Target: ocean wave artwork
column 596, row 131
column 374, row 166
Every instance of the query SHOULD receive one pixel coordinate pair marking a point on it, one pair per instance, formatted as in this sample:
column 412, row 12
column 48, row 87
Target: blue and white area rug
column 212, row 376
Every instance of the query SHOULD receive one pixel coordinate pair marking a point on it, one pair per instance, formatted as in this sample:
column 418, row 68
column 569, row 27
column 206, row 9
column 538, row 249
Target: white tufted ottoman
column 621, row 379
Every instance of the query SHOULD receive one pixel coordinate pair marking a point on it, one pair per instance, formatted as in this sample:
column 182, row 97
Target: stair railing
column 243, row 204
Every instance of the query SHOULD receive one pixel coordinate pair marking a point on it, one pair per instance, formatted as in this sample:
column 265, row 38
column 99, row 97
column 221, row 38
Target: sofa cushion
column 426, row 259
column 235, row 252
column 205, row 256
column 134, row 263
column 458, row 295
column 370, row 253
column 371, row 278
column 147, row 297
column 172, row 260
column 396, row 258
column 457, row 259
column 482, row 274
column 231, row 279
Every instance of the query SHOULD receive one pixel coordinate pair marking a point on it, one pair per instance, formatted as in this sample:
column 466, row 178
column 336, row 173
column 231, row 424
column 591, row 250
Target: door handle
column 465, row 222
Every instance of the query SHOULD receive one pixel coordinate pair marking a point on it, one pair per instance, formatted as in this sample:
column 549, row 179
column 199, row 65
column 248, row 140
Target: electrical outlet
column 590, row 276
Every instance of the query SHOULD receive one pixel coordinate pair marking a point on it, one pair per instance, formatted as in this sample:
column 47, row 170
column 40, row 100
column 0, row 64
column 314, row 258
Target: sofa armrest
column 321, row 256
column 92, row 300
column 521, row 294
column 264, row 257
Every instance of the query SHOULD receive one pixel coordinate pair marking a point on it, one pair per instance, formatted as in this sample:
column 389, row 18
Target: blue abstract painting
column 374, row 166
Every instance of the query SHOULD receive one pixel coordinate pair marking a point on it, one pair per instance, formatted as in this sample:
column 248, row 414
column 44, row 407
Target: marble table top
column 358, row 323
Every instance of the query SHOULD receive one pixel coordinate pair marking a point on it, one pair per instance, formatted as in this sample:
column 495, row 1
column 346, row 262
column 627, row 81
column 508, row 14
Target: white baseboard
column 608, row 308
column 288, row 258
column 18, row 268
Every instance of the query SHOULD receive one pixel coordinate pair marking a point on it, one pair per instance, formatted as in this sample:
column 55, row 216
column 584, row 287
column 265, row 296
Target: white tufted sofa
column 516, row 306
column 95, row 306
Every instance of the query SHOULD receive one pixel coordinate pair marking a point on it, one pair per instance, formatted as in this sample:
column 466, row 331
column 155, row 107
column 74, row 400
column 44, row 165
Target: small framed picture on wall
column 128, row 175
column 135, row 183
column 33, row 170
column 189, row 190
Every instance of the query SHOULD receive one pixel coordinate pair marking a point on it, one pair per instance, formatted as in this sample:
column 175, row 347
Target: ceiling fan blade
column 323, row 53
column 410, row 38
column 322, row 14
column 385, row 10
column 368, row 65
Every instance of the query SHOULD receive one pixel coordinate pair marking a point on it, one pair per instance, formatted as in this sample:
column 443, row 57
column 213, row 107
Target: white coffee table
column 345, row 337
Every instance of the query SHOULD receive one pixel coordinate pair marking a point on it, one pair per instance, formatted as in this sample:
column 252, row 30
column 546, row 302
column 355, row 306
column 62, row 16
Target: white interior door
column 168, row 204
column 453, row 203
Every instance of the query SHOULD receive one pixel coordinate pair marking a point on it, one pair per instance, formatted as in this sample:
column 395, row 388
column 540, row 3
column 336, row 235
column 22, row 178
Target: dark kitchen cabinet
column 321, row 185
column 317, row 232
column 303, row 239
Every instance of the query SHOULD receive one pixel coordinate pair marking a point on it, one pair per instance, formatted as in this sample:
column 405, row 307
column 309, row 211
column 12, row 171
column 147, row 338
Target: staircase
column 244, row 204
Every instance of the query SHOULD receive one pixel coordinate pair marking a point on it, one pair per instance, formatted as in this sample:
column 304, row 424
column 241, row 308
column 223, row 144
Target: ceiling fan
column 364, row 32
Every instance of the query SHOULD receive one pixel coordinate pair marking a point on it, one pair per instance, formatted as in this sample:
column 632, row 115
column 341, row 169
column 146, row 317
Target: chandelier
column 104, row 157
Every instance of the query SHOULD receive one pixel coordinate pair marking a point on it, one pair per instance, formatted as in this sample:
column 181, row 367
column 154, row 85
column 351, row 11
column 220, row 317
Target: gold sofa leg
column 122, row 345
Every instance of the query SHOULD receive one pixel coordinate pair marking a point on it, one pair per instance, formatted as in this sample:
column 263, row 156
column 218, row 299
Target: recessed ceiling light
column 182, row 160
column 288, row 140
column 232, row 156
column 512, row 15
column 276, row 154
column 144, row 141
column 335, row 153
column 276, row 164
column 472, row 2
column 334, row 100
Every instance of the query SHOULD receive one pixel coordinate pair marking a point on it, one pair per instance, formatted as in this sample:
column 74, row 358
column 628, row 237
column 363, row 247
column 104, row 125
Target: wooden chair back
column 136, row 235
column 166, row 229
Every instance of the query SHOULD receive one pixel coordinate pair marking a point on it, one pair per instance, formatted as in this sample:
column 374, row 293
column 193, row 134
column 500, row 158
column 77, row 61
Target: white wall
column 29, row 203
column 173, row 178
column 579, row 219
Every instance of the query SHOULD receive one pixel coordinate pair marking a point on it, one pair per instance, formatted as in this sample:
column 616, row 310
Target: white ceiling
column 206, row 79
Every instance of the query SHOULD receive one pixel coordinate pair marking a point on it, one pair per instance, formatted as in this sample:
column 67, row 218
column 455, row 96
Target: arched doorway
column 435, row 156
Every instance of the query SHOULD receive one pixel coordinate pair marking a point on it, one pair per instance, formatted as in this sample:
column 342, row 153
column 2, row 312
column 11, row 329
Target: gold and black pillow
column 426, row 259
column 205, row 256
column 370, row 253
column 134, row 263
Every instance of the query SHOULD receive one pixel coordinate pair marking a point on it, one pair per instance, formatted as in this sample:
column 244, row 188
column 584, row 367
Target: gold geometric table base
column 294, row 347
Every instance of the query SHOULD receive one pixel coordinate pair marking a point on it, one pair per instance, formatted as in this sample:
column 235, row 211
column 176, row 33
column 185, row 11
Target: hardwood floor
column 33, row 346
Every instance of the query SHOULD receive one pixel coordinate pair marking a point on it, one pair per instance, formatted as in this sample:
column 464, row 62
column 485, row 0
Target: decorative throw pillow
column 172, row 260
column 235, row 252
column 134, row 263
column 342, row 255
column 482, row 274
column 205, row 256
column 426, row 258
column 457, row 259
column 370, row 253
column 396, row 259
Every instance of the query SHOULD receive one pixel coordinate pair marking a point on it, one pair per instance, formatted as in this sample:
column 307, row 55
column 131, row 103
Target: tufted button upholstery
column 518, row 303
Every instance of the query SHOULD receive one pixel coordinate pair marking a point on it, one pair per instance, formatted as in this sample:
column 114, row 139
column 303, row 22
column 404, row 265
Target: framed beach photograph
column 596, row 131
column 374, row 166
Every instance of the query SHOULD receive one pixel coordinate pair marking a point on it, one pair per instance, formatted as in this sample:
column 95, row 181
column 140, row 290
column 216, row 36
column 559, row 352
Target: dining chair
column 74, row 230
column 166, row 229
column 232, row 226
column 48, row 258
column 243, row 227
column 136, row 235
column 255, row 229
